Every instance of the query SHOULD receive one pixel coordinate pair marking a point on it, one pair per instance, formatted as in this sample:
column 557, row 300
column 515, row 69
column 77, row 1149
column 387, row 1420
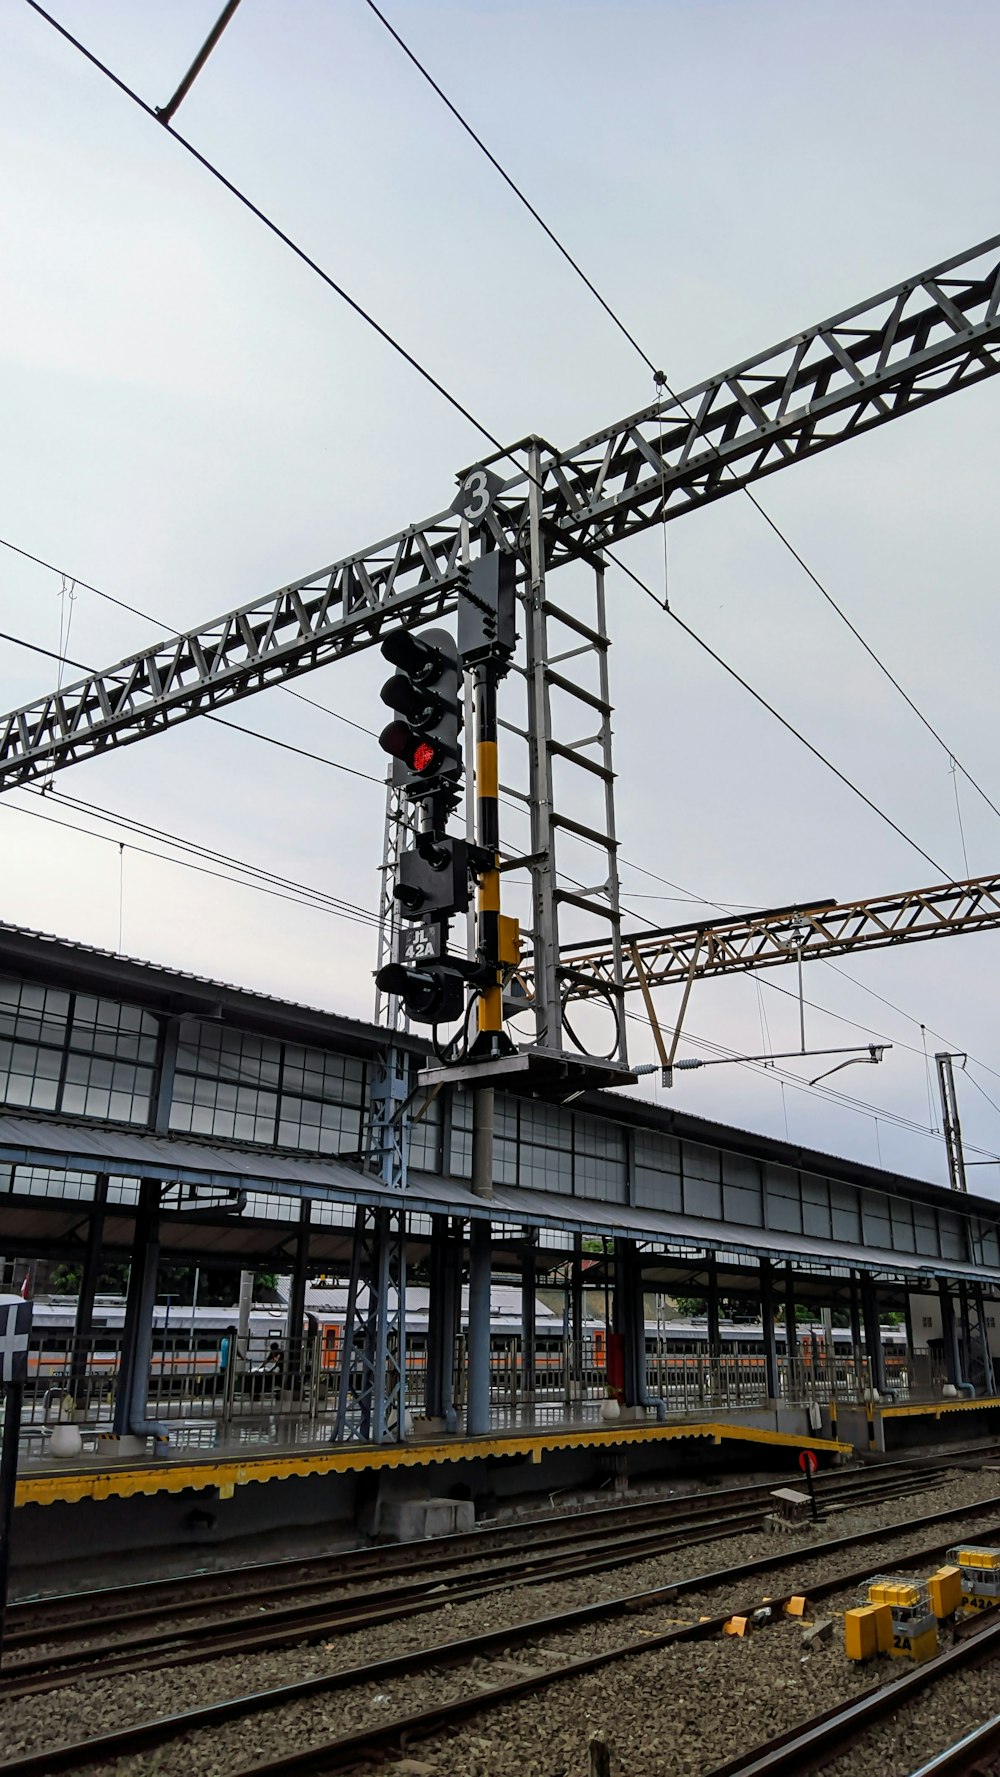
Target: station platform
column 98, row 1474
column 887, row 1426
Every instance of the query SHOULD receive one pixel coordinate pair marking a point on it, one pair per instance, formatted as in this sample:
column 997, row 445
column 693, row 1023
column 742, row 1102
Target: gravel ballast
column 678, row 1710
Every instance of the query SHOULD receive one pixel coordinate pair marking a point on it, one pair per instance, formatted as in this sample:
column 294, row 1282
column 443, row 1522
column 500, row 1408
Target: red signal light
column 424, row 756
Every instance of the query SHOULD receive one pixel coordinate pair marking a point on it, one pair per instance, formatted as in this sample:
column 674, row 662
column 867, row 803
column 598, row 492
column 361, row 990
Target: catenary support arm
column 910, row 345
column 765, row 940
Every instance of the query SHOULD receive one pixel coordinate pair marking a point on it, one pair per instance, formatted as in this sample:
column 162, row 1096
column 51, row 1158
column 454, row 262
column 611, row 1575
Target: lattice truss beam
column 765, row 940
column 910, row 345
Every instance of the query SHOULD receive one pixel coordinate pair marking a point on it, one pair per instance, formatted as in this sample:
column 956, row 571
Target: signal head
column 419, row 660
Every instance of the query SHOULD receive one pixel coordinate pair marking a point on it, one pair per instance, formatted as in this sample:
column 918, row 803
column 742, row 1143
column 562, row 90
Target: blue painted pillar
column 873, row 1332
column 949, row 1334
column 441, row 1317
column 477, row 1412
column 137, row 1337
column 771, row 1383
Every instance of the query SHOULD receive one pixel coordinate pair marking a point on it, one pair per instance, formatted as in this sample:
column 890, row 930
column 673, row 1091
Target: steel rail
column 49, row 1617
column 300, row 1623
column 157, row 1731
column 965, row 1758
column 816, row 1742
column 909, row 345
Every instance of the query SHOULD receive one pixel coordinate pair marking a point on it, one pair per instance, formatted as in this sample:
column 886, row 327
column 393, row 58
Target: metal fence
column 216, row 1389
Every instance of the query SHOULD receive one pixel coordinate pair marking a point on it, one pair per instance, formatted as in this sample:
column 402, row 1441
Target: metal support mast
column 950, row 1121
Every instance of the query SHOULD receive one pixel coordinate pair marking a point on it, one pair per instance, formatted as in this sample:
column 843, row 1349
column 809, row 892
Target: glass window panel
column 952, row 1235
column 742, row 1205
column 784, row 1213
column 876, row 1228
column 505, row 1162
column 702, row 1197
column 701, row 1163
column 657, row 1190
column 739, row 1169
column 657, row 1153
column 845, row 1214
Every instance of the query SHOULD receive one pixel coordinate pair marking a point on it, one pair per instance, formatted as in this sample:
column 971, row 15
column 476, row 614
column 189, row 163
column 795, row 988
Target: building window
column 928, row 1320
column 241, row 1087
column 75, row 1054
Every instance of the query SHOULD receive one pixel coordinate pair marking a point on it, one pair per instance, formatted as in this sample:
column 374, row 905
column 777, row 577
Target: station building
column 151, row 1116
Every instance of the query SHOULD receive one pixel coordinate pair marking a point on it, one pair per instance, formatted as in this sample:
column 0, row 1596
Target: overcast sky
column 190, row 418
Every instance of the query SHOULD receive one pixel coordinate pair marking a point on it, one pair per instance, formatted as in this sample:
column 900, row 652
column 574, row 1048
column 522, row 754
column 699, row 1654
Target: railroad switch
column 897, row 1620
column 979, row 1568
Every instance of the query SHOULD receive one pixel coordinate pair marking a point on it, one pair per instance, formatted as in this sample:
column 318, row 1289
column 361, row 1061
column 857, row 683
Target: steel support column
column 771, row 1382
column 911, row 1343
column 576, row 1309
column 630, row 1321
column 294, row 1327
column 791, row 1333
column 544, row 920
column 528, row 1312
column 712, row 1310
column 965, row 1323
column 83, row 1324
column 442, row 1317
column 131, row 1399
column 371, row 1402
column 857, row 1342
column 989, row 1373
column 949, row 1334
column 477, row 1419
column 873, row 1332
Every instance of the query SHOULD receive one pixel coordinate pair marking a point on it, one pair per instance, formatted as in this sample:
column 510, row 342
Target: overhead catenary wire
column 506, row 454
column 243, row 199
column 843, row 1099
column 147, row 617
column 690, row 895
column 220, row 721
column 300, row 252
column 147, row 829
column 361, row 916
column 275, row 229
column 662, row 383
column 785, row 723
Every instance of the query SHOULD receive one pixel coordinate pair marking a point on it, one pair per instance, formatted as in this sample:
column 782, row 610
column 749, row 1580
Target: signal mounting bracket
column 538, row 1073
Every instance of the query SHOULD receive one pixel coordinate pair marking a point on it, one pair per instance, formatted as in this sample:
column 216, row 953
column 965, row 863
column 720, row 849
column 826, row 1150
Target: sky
column 190, row 418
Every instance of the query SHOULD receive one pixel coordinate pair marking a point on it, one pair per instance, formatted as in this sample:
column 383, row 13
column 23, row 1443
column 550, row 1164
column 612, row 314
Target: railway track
column 60, row 1614
column 498, row 1665
column 844, row 1729
column 428, row 1578
column 976, row 1754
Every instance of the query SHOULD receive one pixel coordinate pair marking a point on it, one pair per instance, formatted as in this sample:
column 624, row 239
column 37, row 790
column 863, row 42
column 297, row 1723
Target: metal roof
column 65, row 963
column 45, row 1142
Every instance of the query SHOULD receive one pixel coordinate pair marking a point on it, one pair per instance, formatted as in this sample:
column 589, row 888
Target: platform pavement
column 101, row 1474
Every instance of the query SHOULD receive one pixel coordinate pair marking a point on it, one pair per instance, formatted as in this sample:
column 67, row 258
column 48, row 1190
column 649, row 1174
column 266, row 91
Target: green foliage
column 740, row 1307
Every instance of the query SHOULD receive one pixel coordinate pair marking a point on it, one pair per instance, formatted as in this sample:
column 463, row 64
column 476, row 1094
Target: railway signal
column 425, row 695
column 433, row 877
column 432, row 988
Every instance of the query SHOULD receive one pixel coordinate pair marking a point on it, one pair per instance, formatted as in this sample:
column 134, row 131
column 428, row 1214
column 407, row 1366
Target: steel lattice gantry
column 923, row 339
column 767, row 939
column 910, row 345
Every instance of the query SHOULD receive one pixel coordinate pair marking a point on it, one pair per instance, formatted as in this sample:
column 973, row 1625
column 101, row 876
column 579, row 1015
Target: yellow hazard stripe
column 487, row 771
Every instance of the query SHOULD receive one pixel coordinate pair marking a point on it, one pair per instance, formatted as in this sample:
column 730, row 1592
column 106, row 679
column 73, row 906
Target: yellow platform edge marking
column 173, row 1477
column 936, row 1408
